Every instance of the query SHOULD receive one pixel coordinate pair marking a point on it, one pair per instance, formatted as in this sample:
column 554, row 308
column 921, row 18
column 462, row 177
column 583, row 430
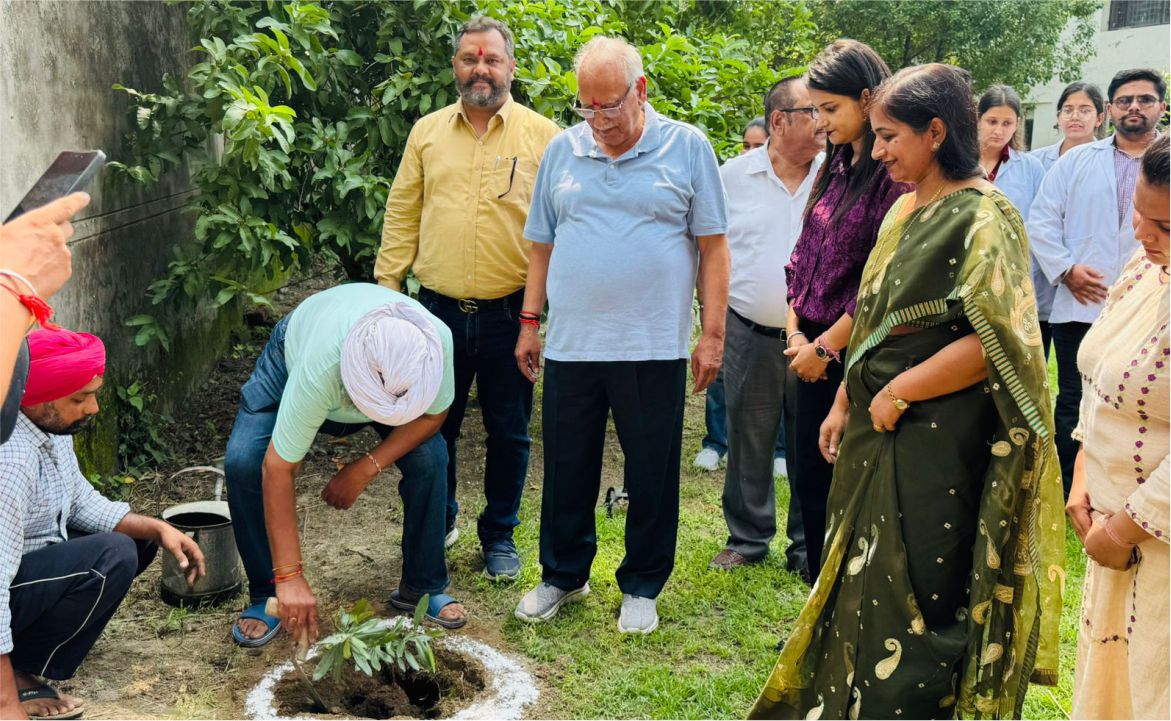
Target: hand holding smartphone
column 32, row 238
column 69, row 173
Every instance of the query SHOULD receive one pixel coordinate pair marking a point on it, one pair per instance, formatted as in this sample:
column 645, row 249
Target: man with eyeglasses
column 767, row 192
column 1081, row 234
column 628, row 220
column 455, row 216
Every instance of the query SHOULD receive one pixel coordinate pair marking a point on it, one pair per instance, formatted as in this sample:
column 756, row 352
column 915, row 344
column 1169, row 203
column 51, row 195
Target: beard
column 1134, row 125
column 51, row 422
column 480, row 97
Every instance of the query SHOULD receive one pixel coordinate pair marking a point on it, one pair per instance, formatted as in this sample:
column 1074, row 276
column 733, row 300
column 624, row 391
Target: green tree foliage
column 1015, row 42
column 294, row 118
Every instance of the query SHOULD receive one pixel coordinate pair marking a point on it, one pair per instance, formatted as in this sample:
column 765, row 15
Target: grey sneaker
column 543, row 602
column 451, row 537
column 638, row 615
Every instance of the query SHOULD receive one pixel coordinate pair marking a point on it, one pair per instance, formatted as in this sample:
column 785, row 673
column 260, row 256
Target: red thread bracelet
column 531, row 321
column 40, row 310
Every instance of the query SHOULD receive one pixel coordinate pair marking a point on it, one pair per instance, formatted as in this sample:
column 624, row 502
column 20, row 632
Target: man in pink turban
column 67, row 555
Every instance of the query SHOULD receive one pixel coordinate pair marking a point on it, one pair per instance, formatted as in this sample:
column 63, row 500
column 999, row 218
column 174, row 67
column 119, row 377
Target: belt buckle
column 468, row 305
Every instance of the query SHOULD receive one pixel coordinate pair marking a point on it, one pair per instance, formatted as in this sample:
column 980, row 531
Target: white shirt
column 764, row 220
column 1074, row 219
column 1048, row 155
column 1018, row 178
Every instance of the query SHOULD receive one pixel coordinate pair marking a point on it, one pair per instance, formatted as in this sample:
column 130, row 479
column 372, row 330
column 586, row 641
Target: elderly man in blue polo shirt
column 624, row 206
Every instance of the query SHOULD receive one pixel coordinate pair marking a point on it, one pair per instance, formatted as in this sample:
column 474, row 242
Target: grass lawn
column 718, row 636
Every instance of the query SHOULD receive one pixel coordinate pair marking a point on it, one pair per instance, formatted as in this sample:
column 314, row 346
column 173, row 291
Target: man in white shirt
column 767, row 190
column 1081, row 235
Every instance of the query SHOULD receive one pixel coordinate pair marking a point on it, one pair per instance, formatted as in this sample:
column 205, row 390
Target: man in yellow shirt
column 456, row 215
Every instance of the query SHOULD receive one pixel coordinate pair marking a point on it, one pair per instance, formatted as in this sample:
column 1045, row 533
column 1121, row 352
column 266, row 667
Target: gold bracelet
column 376, row 463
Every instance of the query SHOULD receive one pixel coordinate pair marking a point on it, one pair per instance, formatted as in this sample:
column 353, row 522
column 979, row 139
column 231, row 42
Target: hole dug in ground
column 459, row 679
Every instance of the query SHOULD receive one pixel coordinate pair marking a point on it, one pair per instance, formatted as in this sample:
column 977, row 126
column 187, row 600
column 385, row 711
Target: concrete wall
column 1143, row 47
column 60, row 60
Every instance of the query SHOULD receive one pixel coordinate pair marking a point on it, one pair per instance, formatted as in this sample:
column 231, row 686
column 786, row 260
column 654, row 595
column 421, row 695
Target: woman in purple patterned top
column 849, row 200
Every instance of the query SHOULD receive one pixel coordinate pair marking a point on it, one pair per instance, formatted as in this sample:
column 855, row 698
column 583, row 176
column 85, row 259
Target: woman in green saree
column 940, row 593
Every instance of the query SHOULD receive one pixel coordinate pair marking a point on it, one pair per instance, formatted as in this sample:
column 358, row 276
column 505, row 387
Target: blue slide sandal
column 437, row 603
column 256, row 613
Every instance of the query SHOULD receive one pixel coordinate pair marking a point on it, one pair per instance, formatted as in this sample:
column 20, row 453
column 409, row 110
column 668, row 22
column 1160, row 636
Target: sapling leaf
column 421, row 609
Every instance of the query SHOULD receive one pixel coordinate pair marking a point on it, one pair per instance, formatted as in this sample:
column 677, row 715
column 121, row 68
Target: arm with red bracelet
column 32, row 246
column 528, row 343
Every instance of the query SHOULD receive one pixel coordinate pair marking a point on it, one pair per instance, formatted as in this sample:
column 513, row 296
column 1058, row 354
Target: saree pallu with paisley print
column 940, row 594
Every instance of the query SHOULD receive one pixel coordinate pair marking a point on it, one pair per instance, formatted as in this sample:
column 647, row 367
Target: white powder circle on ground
column 508, row 689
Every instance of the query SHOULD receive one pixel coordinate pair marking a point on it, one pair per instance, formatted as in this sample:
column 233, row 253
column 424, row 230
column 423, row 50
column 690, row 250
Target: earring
column 935, row 147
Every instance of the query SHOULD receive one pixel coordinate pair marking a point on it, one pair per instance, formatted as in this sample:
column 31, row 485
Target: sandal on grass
column 437, row 603
column 48, row 692
column 256, row 613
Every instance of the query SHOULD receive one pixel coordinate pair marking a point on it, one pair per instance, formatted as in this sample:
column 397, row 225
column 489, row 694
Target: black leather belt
column 755, row 327
column 475, row 305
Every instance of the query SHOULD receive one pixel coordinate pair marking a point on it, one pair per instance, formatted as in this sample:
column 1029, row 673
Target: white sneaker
column 709, row 459
column 544, row 601
column 638, row 615
column 451, row 538
column 779, row 467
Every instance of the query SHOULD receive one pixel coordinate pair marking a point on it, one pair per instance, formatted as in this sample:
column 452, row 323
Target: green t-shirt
column 313, row 349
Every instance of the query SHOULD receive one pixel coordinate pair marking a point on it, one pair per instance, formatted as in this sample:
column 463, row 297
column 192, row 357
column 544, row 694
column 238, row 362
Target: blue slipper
column 256, row 612
column 437, row 603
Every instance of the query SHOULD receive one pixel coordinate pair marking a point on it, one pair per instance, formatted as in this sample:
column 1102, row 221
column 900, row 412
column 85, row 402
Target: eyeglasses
column 813, row 112
column 1083, row 112
column 1125, row 101
column 611, row 112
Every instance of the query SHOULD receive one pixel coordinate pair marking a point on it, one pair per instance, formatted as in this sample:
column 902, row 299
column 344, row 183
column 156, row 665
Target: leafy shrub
column 294, row 120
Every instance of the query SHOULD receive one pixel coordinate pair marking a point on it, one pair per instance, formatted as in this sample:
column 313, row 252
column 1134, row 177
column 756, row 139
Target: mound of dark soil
column 457, row 682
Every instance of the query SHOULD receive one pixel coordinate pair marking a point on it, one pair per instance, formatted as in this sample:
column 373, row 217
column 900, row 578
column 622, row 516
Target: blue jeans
column 424, row 568
column 484, row 344
column 715, row 419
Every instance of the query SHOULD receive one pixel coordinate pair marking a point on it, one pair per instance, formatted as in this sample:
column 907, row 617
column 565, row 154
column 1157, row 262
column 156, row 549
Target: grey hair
column 610, row 48
column 483, row 24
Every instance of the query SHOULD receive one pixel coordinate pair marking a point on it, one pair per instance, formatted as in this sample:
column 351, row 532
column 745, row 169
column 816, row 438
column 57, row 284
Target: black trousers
column 646, row 398
column 1067, row 339
column 809, row 474
column 63, row 596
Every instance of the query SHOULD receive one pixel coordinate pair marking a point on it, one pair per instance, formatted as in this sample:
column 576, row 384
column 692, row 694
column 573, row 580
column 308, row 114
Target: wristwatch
column 824, row 353
column 901, row 404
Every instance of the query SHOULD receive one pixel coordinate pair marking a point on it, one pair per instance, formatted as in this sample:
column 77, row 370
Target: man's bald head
column 607, row 55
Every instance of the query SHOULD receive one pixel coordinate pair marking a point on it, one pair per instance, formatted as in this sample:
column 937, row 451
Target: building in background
column 1131, row 34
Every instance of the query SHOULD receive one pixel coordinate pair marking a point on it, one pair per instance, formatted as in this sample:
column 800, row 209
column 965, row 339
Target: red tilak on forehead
column 479, row 52
column 593, row 101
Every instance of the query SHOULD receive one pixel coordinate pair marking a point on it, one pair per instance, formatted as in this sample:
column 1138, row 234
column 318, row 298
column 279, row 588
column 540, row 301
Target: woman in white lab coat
column 1017, row 174
column 1081, row 118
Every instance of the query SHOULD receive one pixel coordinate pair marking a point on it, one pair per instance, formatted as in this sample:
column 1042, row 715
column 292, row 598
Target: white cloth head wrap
column 392, row 364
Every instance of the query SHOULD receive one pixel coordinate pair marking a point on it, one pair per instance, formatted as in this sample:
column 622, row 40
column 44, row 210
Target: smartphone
column 69, row 173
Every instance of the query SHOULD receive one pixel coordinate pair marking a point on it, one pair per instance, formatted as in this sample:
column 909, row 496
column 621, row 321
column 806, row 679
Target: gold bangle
column 375, row 462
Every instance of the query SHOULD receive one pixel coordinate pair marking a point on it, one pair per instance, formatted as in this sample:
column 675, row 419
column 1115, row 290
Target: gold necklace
column 925, row 205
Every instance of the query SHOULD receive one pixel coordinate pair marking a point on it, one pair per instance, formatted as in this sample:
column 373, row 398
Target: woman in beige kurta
column 1120, row 496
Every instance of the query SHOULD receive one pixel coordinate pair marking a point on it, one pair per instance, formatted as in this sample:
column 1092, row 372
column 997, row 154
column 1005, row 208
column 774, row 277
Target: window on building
column 1138, row 13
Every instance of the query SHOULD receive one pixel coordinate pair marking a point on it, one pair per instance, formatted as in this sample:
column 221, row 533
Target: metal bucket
column 209, row 523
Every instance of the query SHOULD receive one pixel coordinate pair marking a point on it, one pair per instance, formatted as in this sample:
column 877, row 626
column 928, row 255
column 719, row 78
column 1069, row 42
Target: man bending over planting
column 349, row 357
column 67, row 555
